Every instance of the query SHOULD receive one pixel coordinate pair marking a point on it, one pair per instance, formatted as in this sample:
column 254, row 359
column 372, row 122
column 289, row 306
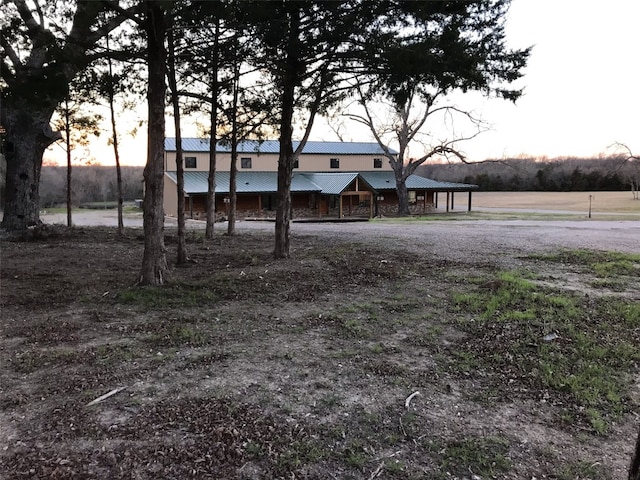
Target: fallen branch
column 407, row 402
column 105, row 396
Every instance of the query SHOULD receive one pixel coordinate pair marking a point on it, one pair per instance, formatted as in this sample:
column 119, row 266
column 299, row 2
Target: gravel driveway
column 445, row 238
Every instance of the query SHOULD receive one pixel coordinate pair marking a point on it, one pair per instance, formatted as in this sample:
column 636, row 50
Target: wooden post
column 435, row 199
column 340, row 208
column 447, row 201
column 452, row 193
column 370, row 205
column 469, row 207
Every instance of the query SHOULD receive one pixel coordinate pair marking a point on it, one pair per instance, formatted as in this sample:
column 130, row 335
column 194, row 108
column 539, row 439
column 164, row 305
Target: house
column 330, row 179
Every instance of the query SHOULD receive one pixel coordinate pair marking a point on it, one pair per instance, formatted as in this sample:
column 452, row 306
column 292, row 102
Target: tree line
column 89, row 184
column 606, row 173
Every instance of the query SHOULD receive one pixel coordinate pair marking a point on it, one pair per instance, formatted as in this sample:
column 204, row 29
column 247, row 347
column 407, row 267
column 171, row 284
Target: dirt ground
column 243, row 367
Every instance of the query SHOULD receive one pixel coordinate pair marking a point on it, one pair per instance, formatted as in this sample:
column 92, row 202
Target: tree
column 44, row 46
column 154, row 262
column 305, row 45
column 114, row 138
column 77, row 127
column 451, row 46
column 182, row 256
column 630, row 168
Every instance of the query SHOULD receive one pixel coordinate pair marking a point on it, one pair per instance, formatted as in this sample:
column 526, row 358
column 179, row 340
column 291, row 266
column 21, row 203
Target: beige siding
column 269, row 162
column 170, row 197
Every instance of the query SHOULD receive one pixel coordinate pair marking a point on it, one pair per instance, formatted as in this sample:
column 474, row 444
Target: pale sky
column 582, row 86
column 582, row 82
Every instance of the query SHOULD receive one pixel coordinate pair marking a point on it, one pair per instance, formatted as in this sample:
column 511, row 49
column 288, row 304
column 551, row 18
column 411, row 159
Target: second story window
column 334, row 163
column 377, row 163
column 296, row 163
column 190, row 162
column 245, row 162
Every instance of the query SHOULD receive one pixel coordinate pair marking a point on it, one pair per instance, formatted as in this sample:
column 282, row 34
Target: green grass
column 589, row 364
column 582, row 469
column 604, row 264
column 486, row 457
column 173, row 295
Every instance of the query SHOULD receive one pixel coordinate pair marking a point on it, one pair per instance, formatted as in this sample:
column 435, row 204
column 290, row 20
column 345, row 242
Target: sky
column 581, row 87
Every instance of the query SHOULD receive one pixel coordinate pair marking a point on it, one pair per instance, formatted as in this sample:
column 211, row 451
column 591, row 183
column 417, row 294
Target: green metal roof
column 387, row 181
column 325, row 183
column 246, row 182
column 331, row 183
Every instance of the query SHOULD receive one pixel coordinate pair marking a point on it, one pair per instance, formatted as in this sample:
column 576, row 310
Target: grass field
column 601, row 202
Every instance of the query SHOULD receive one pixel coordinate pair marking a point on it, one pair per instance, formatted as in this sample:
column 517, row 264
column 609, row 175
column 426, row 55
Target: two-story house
column 330, row 179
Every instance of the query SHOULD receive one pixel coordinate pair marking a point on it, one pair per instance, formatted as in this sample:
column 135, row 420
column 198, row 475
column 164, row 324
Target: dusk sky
column 582, row 83
column 582, row 86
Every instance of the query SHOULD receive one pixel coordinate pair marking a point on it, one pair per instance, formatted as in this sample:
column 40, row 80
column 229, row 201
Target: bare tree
column 406, row 125
column 630, row 168
column 450, row 46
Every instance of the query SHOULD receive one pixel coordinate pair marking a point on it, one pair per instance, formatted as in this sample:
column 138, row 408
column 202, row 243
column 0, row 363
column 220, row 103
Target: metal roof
column 273, row 146
column 331, row 183
column 387, row 181
column 246, row 182
column 325, row 183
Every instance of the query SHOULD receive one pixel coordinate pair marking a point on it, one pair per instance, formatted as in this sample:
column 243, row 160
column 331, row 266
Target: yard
column 436, row 350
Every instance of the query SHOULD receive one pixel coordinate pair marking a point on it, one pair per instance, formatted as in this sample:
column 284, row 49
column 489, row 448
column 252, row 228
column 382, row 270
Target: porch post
column 469, row 208
column 452, row 194
column 447, row 201
column 435, row 198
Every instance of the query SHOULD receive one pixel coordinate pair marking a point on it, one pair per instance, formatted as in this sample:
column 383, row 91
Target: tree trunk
column 211, row 179
column 154, row 262
column 182, row 256
column 403, row 196
column 285, row 157
column 233, row 173
column 67, row 125
column 116, row 152
column 28, row 135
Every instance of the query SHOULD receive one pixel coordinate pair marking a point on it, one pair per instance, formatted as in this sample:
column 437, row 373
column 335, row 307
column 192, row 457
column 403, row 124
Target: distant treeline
column 88, row 184
column 528, row 174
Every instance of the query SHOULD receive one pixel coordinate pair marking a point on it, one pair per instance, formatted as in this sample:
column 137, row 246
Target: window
column 245, row 162
column 334, row 163
column 412, row 196
column 377, row 163
column 296, row 163
column 189, row 162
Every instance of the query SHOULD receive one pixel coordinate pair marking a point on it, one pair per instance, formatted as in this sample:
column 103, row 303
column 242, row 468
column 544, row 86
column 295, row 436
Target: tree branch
column 11, row 54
